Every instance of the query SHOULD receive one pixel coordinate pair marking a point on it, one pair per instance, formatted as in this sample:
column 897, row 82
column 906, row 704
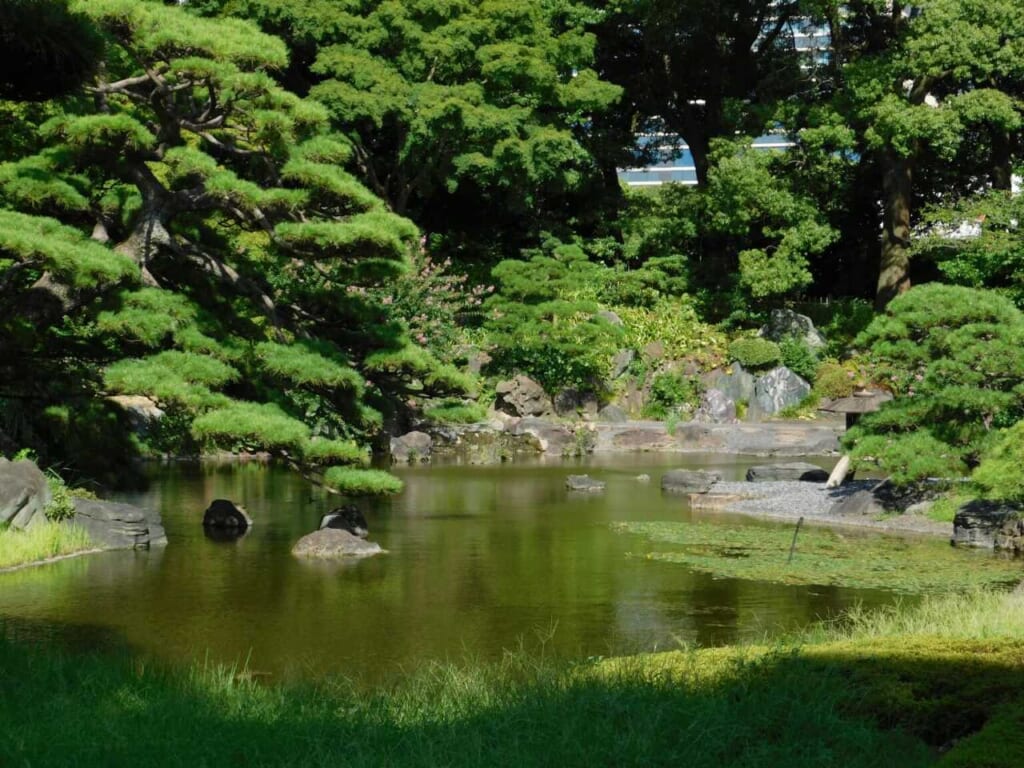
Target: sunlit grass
column 42, row 541
column 884, row 689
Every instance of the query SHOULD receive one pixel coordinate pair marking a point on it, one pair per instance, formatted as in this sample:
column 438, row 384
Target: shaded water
column 479, row 559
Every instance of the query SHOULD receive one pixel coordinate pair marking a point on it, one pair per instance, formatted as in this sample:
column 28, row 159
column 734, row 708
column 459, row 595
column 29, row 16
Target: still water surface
column 480, row 560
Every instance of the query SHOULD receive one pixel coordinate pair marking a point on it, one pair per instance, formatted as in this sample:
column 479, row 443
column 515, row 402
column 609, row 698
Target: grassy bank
column 939, row 684
column 42, row 542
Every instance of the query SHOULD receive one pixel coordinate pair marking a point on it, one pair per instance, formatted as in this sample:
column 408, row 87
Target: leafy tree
column 930, row 91
column 954, row 357
column 466, row 116
column 702, row 71
column 226, row 241
column 46, row 49
column 543, row 321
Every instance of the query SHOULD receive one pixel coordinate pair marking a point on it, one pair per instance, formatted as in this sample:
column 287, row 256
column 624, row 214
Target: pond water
column 480, row 560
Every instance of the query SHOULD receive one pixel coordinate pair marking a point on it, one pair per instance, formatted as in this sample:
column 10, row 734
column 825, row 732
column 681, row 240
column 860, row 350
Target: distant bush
column 675, row 323
column 669, row 391
column 455, row 412
column 834, row 381
column 755, row 352
column 799, row 357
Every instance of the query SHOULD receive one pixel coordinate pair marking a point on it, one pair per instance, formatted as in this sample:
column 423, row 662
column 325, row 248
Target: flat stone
column 112, row 525
column 584, row 483
column 796, row 470
column 688, row 481
column 330, row 543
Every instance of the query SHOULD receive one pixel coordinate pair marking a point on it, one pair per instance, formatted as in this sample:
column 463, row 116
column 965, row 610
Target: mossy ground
column 823, row 556
column 939, row 684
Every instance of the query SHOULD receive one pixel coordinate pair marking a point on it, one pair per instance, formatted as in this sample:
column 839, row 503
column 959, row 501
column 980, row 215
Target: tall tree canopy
column 466, row 115
column 229, row 253
column 932, row 91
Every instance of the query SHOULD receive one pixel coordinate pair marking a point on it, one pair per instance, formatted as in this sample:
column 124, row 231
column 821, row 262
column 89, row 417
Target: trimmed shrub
column 755, row 352
column 832, row 380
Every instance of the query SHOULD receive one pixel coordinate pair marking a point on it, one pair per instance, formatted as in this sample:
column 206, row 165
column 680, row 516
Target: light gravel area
column 792, row 499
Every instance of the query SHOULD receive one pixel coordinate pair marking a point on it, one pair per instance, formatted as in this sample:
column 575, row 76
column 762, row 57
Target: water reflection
column 478, row 558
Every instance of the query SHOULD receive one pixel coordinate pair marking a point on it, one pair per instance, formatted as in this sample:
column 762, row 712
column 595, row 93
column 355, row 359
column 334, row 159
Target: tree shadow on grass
column 882, row 703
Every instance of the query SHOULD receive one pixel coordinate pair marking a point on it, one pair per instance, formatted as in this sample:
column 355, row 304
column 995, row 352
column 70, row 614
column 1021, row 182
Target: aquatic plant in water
column 822, row 556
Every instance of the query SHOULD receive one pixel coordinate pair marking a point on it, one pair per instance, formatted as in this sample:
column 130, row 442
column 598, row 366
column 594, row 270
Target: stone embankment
column 512, row 438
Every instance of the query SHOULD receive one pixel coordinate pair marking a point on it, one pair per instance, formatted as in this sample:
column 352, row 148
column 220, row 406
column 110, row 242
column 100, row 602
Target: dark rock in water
column 716, row 408
column 688, row 481
column 796, row 470
column 225, row 514
column 347, row 518
column 779, row 389
column 411, row 447
column 24, row 492
column 989, row 524
column 584, row 483
column 522, row 396
column 334, row 543
column 111, row 525
column 613, row 414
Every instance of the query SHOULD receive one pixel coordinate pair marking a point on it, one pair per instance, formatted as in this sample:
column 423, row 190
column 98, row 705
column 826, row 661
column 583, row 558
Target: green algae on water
column 823, row 556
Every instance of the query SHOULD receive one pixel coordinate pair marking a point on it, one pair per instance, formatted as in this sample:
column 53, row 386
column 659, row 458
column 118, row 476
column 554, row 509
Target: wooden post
column 842, row 468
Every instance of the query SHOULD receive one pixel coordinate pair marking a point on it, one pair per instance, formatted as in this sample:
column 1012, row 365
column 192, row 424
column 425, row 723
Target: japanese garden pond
column 480, row 560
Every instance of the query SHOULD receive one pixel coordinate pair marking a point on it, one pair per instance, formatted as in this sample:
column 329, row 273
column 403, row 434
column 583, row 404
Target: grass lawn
column 942, row 683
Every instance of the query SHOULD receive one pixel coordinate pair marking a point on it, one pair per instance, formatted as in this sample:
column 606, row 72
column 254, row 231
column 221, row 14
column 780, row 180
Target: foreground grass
column 41, row 542
column 823, row 556
column 941, row 683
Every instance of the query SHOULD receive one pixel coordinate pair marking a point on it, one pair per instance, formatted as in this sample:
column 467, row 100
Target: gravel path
column 791, row 499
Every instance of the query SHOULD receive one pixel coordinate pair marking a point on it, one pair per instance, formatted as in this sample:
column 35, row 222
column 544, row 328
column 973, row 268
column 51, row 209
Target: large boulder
column 716, row 408
column 989, row 524
column 554, row 439
column 613, row 414
column 688, row 481
column 779, row 389
column 332, row 543
column 784, row 323
column 346, row 518
column 143, row 413
column 226, row 514
column 574, row 402
column 584, row 483
column 522, row 396
column 795, row 470
column 411, row 447
column 621, row 361
column 24, row 492
column 112, row 525
column 733, row 382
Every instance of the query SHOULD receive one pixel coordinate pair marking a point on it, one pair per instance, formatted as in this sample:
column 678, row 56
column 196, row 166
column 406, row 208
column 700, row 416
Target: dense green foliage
column 999, row 473
column 755, row 352
column 954, row 357
column 293, row 225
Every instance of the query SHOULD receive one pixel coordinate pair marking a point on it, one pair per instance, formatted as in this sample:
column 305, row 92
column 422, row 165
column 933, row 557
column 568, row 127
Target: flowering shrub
column 431, row 301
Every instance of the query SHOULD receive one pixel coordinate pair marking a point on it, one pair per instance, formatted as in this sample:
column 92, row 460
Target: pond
column 480, row 560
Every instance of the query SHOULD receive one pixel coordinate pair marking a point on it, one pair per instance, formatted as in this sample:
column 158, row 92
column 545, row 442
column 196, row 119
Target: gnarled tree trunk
column 897, row 191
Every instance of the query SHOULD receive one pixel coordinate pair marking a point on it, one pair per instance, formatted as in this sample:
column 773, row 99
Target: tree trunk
column 1002, row 162
column 894, row 270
